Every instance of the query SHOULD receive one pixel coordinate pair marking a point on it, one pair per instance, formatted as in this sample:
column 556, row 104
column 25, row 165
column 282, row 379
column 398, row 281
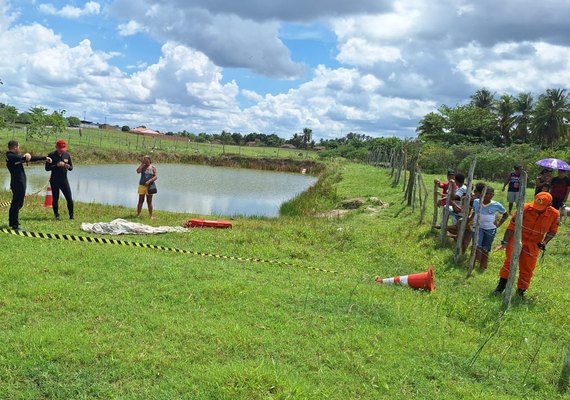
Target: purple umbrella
column 553, row 163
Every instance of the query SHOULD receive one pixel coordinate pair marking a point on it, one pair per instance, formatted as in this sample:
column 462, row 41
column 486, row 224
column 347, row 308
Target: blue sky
column 366, row 66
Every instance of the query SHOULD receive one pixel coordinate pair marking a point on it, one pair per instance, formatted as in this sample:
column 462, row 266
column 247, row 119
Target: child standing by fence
column 487, row 225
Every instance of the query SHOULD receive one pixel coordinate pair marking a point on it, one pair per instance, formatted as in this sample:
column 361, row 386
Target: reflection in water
column 193, row 189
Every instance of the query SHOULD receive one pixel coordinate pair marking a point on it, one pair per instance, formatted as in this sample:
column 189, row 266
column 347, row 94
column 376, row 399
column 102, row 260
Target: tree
column 73, row 121
column 125, row 128
column 7, row 114
column 484, row 99
column 45, row 125
column 470, row 124
column 524, row 108
column 296, row 140
column 307, row 136
column 24, row 118
column 506, row 108
column 549, row 122
column 431, row 127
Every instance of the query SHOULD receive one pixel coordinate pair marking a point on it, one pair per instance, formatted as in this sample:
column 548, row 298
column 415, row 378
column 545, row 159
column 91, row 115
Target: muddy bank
column 224, row 160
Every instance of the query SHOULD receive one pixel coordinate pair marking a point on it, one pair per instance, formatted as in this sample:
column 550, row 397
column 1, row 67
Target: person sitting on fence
column 455, row 204
column 445, row 186
column 487, row 225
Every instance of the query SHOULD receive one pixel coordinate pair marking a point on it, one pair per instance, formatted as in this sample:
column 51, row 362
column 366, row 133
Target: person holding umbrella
column 560, row 185
column 559, row 189
column 542, row 179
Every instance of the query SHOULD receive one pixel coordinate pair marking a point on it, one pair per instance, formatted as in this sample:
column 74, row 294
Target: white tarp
column 122, row 227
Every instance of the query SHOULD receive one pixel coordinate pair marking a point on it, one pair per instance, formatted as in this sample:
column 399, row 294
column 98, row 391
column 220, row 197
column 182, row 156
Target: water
column 182, row 188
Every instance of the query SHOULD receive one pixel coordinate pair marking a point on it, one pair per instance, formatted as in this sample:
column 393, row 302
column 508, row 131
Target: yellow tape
column 8, row 203
column 91, row 239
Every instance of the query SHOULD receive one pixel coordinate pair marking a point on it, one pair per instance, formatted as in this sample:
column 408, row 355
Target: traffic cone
column 423, row 280
column 49, row 197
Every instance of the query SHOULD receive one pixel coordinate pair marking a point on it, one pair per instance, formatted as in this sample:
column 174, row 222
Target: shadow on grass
column 400, row 211
column 564, row 379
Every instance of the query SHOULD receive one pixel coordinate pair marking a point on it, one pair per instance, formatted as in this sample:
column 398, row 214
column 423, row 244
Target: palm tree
column 506, row 108
column 483, row 98
column 549, row 123
column 307, row 135
column 524, row 107
column 431, row 126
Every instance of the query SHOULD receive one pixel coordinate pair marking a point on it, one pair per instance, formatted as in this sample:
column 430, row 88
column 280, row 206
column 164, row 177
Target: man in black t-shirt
column 559, row 189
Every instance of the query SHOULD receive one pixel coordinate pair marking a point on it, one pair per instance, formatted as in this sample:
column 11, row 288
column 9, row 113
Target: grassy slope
column 101, row 321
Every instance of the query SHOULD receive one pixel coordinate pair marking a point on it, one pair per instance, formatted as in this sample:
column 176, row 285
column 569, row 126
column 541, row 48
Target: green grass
column 82, row 320
column 112, row 140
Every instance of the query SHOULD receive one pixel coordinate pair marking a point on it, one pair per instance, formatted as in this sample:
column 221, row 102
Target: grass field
column 84, row 321
column 108, row 140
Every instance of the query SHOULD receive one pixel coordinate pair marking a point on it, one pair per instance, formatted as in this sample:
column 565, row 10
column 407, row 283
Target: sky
column 373, row 67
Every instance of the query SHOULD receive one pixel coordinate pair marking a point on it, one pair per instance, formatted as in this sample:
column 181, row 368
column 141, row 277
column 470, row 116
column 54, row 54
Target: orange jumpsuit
column 535, row 227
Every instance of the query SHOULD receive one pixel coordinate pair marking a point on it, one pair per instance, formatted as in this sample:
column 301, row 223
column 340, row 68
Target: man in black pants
column 15, row 164
column 59, row 165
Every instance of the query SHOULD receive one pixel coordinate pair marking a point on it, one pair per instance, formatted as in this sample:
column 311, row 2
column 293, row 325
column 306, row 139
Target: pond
column 182, row 188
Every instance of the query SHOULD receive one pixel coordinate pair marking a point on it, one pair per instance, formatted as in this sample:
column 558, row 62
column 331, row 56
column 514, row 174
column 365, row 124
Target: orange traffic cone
column 423, row 280
column 49, row 197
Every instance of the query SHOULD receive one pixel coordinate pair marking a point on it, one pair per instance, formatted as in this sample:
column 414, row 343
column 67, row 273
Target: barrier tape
column 8, row 203
column 92, row 239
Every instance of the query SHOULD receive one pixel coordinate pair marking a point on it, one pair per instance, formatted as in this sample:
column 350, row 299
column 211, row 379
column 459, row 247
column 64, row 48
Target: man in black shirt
column 15, row 164
column 59, row 165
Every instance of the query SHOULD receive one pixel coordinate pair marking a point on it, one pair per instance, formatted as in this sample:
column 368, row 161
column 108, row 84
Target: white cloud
column 514, row 67
column 71, row 12
column 357, row 51
column 398, row 61
column 130, row 28
column 339, row 99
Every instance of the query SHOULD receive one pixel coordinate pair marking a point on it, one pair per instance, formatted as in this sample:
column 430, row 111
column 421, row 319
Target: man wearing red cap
column 539, row 225
column 59, row 165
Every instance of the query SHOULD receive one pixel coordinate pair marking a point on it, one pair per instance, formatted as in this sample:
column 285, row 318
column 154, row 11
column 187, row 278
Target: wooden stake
column 476, row 233
column 514, row 265
column 465, row 209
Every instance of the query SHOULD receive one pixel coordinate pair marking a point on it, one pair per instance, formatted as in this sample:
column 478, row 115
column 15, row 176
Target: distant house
column 251, row 144
column 144, row 131
column 88, row 124
column 287, row 146
column 319, row 148
column 108, row 127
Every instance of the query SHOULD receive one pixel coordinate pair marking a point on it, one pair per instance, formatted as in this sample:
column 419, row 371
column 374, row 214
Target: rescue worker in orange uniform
column 539, row 225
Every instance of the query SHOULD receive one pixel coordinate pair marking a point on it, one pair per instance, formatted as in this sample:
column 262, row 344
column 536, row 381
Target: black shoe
column 57, row 218
column 71, row 217
column 520, row 293
column 16, row 228
column 500, row 287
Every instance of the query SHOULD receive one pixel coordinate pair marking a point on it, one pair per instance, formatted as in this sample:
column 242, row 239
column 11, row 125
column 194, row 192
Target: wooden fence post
column 465, row 213
column 424, row 204
column 514, row 265
column 445, row 214
column 435, row 206
column 476, row 223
